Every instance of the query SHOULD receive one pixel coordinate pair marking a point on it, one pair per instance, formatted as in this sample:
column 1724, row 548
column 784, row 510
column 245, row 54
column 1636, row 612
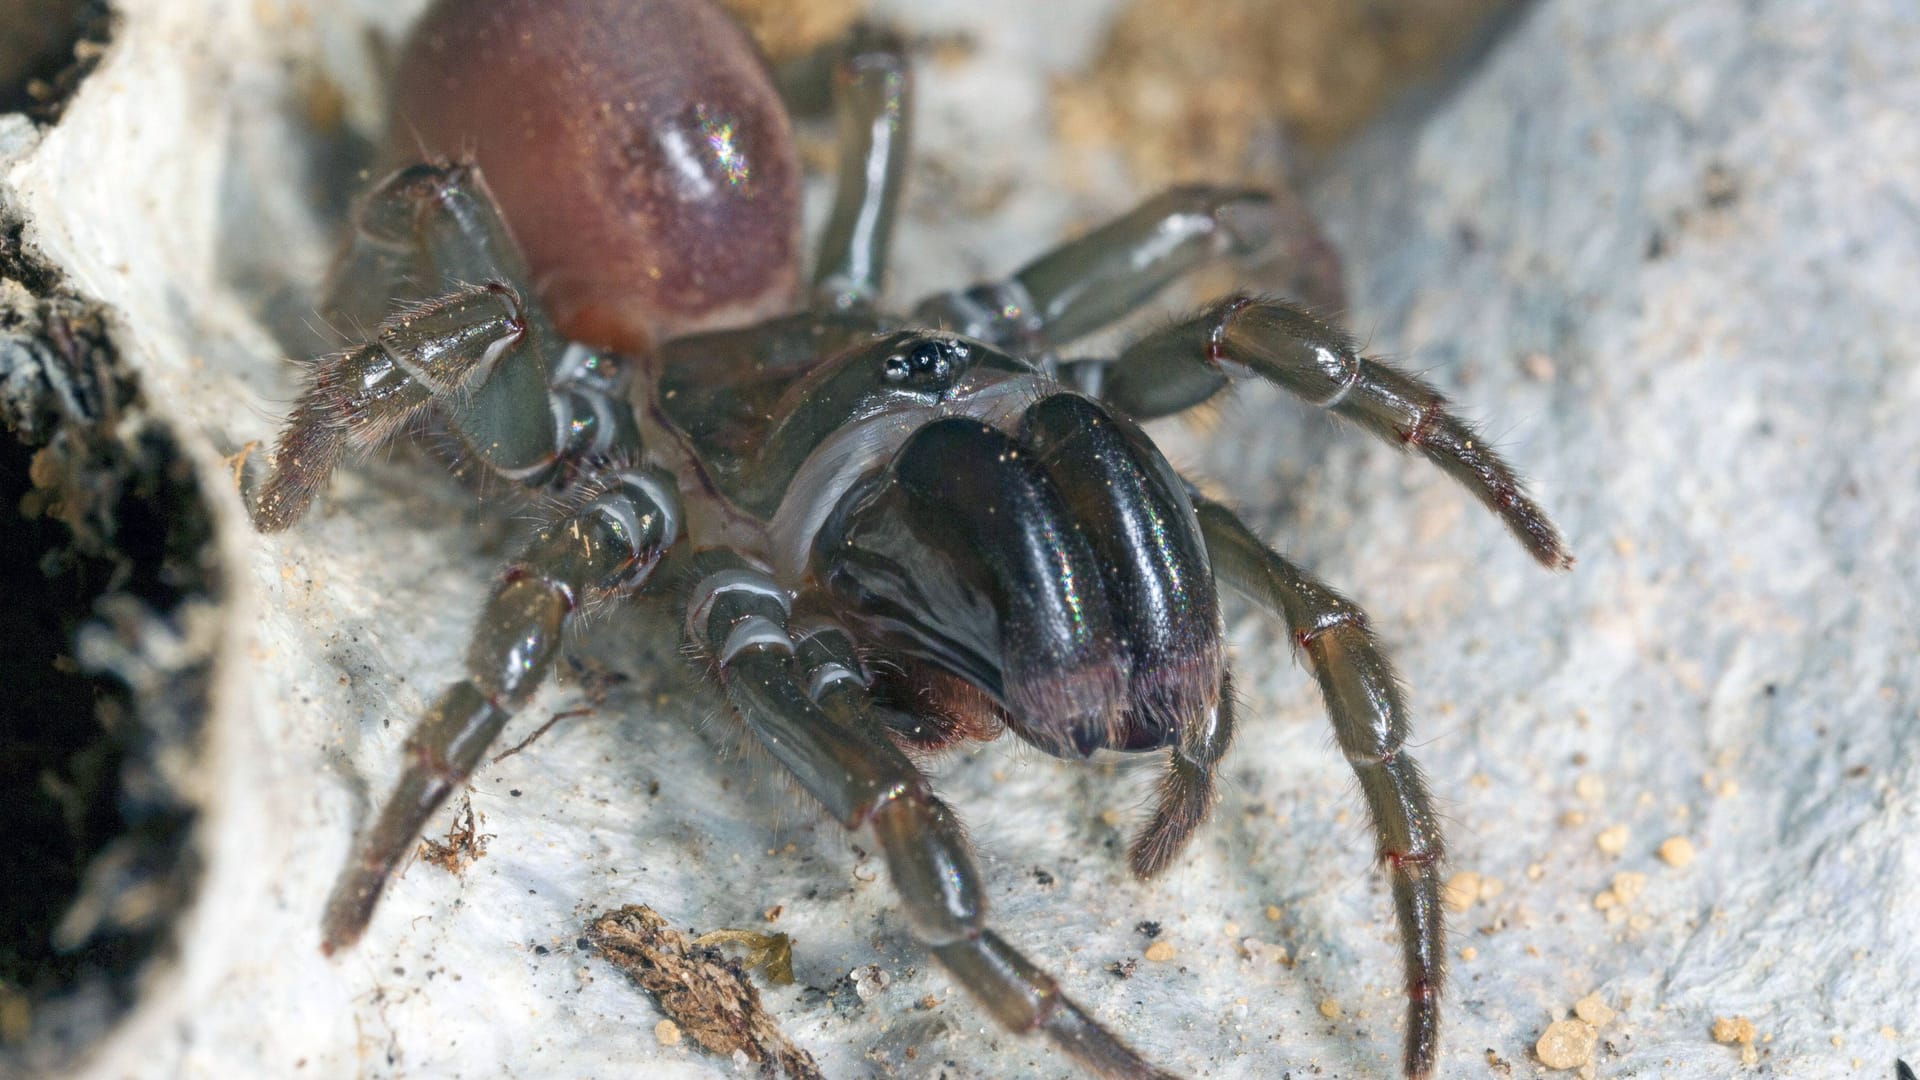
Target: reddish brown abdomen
column 638, row 148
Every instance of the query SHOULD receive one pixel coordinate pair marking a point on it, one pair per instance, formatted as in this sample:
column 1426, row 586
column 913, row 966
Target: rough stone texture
column 1703, row 216
column 1665, row 249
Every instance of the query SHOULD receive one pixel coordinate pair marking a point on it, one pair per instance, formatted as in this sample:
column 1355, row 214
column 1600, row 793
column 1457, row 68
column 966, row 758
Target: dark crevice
column 108, row 581
column 46, row 48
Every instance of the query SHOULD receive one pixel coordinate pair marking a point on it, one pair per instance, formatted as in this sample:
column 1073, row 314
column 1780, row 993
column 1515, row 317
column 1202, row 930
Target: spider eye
column 927, row 365
column 929, row 358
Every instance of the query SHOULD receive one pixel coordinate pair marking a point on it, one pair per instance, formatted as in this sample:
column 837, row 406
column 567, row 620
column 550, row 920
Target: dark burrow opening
column 107, row 582
column 59, row 772
column 46, row 48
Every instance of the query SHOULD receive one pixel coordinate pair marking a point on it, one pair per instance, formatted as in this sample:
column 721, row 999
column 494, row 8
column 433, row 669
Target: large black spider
column 887, row 534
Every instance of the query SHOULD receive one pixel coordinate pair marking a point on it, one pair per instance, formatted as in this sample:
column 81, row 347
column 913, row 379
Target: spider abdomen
column 638, row 149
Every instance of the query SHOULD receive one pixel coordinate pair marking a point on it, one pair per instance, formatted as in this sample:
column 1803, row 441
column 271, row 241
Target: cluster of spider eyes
column 930, row 363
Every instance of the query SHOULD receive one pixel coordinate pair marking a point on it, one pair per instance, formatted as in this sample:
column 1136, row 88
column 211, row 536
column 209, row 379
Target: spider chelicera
column 888, row 533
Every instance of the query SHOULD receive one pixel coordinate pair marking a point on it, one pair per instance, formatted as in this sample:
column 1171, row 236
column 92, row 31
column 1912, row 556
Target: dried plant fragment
column 772, row 953
column 707, row 995
column 465, row 843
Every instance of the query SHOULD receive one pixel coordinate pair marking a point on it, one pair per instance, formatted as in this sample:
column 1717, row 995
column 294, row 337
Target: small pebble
column 1469, row 953
column 1593, row 1011
column 1330, row 1008
column 1612, row 839
column 1628, row 885
column 1461, row 890
column 667, row 1032
column 1737, row 1030
column 1566, row 1044
column 870, row 981
column 1159, row 952
column 1261, row 952
column 1732, row 1029
column 1273, row 913
column 1589, row 788
column 1677, row 852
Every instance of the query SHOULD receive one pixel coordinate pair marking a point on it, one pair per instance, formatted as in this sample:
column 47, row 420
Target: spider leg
column 356, row 400
column 1184, row 798
column 607, row 546
column 825, row 736
column 1187, row 363
column 1104, row 276
column 1370, row 723
column 435, row 227
column 872, row 96
column 432, row 228
column 427, row 228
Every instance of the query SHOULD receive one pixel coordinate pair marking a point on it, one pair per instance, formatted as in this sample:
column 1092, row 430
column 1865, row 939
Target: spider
column 888, row 534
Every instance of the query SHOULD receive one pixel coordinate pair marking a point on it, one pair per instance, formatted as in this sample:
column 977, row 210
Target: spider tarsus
column 1184, row 364
column 1187, row 790
column 306, row 452
column 357, row 399
column 1073, row 1030
column 1181, row 811
column 1423, row 1028
column 350, row 908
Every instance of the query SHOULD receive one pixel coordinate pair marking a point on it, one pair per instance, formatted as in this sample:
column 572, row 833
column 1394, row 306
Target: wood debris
column 707, row 996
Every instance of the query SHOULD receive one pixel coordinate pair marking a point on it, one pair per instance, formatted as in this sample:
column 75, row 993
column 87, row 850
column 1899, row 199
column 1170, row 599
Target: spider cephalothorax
column 890, row 533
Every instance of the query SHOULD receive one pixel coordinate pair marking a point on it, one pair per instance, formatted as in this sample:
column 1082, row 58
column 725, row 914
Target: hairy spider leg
column 1185, row 364
column 827, row 737
column 430, row 228
column 1364, row 701
column 1104, row 276
column 434, row 227
column 872, row 100
column 355, row 400
column 1184, row 797
column 606, row 546
column 424, row 229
